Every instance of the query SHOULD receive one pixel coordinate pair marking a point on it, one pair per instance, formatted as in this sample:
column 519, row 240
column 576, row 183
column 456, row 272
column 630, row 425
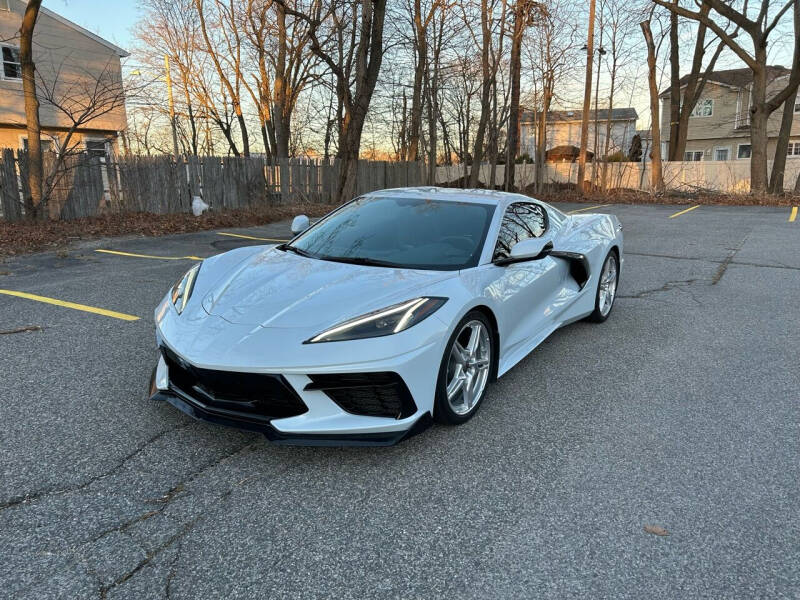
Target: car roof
column 477, row 196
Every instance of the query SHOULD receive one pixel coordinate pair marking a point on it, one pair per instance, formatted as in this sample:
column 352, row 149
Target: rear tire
column 465, row 370
column 606, row 288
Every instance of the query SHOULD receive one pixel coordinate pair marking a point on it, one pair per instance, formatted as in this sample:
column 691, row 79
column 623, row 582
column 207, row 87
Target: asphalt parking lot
column 681, row 411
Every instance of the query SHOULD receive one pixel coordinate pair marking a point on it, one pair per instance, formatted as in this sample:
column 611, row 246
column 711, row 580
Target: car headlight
column 386, row 321
column 182, row 291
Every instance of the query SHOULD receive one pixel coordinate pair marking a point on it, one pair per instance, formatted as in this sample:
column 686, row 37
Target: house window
column 11, row 66
column 693, row 156
column 793, row 150
column 46, row 145
column 745, row 150
column 722, row 153
column 797, row 104
column 96, row 148
column 703, row 108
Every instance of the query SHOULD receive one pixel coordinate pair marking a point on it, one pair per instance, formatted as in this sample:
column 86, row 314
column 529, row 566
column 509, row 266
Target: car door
column 527, row 292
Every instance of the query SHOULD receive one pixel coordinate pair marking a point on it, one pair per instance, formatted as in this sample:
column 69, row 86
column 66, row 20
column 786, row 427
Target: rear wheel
column 465, row 370
column 606, row 288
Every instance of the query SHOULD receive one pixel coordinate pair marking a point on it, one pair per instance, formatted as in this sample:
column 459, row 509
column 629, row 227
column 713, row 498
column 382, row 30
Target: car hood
column 280, row 289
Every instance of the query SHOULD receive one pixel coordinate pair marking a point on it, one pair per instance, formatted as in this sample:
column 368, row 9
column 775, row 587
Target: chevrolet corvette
column 396, row 310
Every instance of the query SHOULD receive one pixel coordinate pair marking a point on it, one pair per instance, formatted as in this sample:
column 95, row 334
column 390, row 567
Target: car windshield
column 412, row 233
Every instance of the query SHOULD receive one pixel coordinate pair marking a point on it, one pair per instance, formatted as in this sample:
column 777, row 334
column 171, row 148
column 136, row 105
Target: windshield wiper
column 298, row 251
column 361, row 260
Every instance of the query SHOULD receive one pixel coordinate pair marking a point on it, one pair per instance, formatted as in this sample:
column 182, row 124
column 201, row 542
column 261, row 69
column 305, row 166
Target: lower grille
column 246, row 396
column 383, row 394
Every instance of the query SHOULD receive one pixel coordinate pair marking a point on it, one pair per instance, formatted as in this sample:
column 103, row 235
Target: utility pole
column 172, row 105
column 587, row 98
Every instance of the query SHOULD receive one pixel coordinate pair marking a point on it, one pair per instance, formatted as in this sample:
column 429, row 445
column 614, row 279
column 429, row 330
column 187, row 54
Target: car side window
column 522, row 221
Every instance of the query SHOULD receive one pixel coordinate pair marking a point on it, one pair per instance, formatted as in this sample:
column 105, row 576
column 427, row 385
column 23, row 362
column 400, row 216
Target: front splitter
column 202, row 412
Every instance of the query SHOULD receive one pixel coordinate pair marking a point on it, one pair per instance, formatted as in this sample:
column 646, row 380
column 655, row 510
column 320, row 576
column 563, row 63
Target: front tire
column 606, row 288
column 465, row 370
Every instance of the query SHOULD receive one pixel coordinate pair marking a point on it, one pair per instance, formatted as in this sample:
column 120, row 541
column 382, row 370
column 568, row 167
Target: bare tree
column 363, row 43
column 525, row 15
column 79, row 99
column 552, row 59
column 782, row 145
column 759, row 31
column 230, row 54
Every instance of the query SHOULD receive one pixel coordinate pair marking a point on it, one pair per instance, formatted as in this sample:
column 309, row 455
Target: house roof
column 617, row 114
column 736, row 78
column 119, row 51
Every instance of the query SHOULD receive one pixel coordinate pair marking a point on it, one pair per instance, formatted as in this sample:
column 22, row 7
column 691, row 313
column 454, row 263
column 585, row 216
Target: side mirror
column 530, row 249
column 299, row 224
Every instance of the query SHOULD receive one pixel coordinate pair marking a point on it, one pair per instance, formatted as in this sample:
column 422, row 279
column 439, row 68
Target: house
column 719, row 125
column 564, row 129
column 75, row 69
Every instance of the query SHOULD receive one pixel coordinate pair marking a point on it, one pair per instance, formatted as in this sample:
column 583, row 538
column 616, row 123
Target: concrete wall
column 65, row 58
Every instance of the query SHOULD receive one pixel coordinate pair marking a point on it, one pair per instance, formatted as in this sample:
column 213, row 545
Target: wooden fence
column 87, row 186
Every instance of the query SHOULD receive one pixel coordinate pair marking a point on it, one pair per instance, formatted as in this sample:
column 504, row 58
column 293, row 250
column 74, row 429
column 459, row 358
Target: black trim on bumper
column 376, row 394
column 198, row 410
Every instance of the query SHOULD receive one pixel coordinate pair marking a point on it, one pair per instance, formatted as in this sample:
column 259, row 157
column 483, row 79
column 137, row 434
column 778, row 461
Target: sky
column 110, row 19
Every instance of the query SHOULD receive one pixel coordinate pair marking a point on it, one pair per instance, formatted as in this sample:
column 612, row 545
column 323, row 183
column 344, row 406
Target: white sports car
column 395, row 310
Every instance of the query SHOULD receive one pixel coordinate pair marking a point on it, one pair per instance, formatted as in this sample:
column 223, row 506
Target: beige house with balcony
column 719, row 127
column 76, row 71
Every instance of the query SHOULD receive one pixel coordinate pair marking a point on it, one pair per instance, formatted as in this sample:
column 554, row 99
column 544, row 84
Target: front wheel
column 465, row 370
column 606, row 288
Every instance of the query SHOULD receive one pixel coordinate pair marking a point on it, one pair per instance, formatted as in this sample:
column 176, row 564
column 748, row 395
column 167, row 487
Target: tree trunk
column 512, row 139
column 541, row 134
column 540, row 159
column 34, row 203
column 281, row 113
column 416, row 93
column 587, row 98
column 674, row 88
column 656, row 176
column 758, row 126
column 486, row 90
column 782, row 145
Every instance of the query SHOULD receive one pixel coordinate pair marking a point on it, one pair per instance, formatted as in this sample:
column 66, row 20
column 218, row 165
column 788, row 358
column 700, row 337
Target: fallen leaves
column 656, row 530
column 24, row 237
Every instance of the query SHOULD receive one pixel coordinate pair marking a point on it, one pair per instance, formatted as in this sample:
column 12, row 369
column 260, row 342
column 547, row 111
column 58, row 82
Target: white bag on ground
column 198, row 206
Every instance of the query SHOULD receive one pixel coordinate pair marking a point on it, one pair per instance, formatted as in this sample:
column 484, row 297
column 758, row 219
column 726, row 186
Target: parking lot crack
column 184, row 530
column 725, row 263
column 54, row 491
column 668, row 286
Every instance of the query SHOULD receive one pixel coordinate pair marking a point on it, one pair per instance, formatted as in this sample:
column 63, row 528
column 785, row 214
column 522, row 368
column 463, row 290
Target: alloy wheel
column 608, row 285
column 468, row 367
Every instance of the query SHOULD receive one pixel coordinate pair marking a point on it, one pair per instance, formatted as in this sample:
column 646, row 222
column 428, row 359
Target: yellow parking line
column 131, row 254
column 250, row 237
column 793, row 215
column 678, row 214
column 587, row 208
column 83, row 307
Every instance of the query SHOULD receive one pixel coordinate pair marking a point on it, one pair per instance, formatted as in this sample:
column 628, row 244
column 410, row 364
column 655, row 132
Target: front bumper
column 202, row 412
column 322, row 419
